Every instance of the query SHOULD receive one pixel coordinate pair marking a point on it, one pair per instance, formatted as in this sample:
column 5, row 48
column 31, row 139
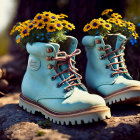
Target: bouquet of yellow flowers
column 45, row 27
column 114, row 24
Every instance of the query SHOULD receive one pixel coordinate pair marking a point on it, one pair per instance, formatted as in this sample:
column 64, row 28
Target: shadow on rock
column 124, row 124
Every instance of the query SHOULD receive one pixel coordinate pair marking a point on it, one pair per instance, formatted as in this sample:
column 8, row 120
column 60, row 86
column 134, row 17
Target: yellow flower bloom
column 121, row 24
column 116, row 15
column 26, row 22
column 58, row 25
column 40, row 24
column 31, row 26
column 18, row 40
column 106, row 11
column 24, row 32
column 47, row 13
column 69, row 26
column 53, row 17
column 87, row 27
column 19, row 28
column 101, row 20
column 12, row 31
column 65, row 22
column 107, row 26
column 63, row 16
column 51, row 27
column 38, row 17
column 135, row 35
column 94, row 24
column 112, row 20
column 46, row 19
column 130, row 24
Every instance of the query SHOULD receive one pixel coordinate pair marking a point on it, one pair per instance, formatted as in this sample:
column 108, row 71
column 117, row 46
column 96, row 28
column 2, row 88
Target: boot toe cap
column 77, row 101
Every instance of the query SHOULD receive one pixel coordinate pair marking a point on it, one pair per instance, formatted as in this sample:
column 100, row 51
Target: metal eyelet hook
column 101, row 57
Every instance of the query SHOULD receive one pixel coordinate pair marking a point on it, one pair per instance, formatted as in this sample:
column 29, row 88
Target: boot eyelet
column 107, row 67
column 58, row 85
column 49, row 50
column 50, row 66
column 67, row 90
column 53, row 78
column 100, row 48
column 49, row 58
column 98, row 41
column 112, row 75
column 101, row 57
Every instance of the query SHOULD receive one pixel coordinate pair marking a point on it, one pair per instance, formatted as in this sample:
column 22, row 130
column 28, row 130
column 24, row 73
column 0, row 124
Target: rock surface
column 17, row 124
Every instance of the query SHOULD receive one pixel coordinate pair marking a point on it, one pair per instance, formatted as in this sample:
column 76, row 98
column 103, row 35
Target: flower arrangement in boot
column 114, row 24
column 106, row 71
column 45, row 27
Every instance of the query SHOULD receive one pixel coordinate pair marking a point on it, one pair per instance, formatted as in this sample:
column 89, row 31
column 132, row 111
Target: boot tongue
column 115, row 41
column 68, row 46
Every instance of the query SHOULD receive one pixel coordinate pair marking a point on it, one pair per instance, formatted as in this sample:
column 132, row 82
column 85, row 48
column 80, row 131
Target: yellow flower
column 19, row 28
column 31, row 26
column 135, row 35
column 87, row 27
column 107, row 26
column 40, row 24
column 69, row 26
column 94, row 24
column 24, row 32
column 18, row 40
column 58, row 25
column 12, row 31
column 26, row 22
column 101, row 20
column 130, row 24
column 53, row 17
column 38, row 17
column 51, row 27
column 121, row 24
column 106, row 11
column 65, row 22
column 63, row 16
column 112, row 20
column 46, row 19
column 47, row 13
column 116, row 15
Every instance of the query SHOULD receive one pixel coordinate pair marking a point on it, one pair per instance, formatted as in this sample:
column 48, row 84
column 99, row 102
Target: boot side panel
column 37, row 82
column 96, row 72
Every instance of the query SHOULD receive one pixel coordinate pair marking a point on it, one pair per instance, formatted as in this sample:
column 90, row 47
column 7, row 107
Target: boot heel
column 27, row 107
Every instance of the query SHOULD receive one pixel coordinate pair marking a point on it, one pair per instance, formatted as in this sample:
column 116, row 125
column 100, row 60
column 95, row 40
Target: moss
column 40, row 133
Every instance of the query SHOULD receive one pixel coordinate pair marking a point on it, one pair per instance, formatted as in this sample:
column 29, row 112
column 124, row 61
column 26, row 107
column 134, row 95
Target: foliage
column 45, row 27
column 114, row 24
column 40, row 133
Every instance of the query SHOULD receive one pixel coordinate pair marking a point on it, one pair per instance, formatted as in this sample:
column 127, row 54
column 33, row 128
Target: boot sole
column 125, row 95
column 92, row 114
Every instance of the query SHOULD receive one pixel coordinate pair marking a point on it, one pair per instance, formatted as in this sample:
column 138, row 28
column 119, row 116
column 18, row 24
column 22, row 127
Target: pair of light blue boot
column 52, row 86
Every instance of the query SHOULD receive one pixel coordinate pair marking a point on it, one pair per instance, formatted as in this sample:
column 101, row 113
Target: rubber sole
column 125, row 95
column 93, row 114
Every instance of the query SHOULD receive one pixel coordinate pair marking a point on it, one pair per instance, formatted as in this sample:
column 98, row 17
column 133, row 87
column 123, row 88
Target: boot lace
column 67, row 59
column 120, row 69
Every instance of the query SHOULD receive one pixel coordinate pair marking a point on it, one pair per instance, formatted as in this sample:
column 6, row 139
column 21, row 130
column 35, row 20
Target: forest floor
column 17, row 124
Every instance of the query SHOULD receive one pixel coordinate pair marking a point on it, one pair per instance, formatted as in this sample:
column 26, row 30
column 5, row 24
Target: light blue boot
column 106, row 71
column 52, row 86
